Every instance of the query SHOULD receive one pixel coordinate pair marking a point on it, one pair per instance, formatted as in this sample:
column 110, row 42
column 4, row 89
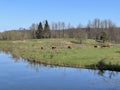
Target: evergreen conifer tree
column 47, row 33
column 103, row 37
column 39, row 32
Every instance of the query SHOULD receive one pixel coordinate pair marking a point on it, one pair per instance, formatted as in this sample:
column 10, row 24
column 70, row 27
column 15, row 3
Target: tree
column 46, row 32
column 59, row 28
column 34, row 26
column 81, row 36
column 103, row 37
column 39, row 32
column 96, row 23
column 33, row 29
column 63, row 27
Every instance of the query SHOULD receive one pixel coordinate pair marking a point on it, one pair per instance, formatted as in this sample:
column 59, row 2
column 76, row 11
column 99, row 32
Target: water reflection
column 15, row 57
column 110, row 73
column 20, row 74
column 102, row 73
column 37, row 67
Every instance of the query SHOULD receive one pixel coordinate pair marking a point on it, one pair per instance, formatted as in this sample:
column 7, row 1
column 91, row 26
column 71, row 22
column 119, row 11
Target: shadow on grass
column 118, row 52
column 101, row 65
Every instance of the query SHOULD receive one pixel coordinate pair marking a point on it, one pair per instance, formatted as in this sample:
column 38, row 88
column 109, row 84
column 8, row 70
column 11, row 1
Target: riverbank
column 65, row 52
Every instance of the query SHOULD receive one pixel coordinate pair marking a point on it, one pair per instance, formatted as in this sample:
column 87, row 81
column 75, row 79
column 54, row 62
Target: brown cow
column 69, row 47
column 95, row 46
column 106, row 46
column 41, row 48
column 53, row 47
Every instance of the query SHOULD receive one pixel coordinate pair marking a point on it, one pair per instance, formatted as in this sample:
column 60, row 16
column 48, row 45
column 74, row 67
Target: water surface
column 23, row 75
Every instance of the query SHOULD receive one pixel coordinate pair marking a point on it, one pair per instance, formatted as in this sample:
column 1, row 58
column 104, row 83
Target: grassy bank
column 80, row 55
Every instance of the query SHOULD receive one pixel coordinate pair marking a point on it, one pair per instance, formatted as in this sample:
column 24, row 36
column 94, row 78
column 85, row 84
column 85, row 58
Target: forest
column 93, row 30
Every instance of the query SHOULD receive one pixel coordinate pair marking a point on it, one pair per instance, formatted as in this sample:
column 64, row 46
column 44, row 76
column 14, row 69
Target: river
column 19, row 74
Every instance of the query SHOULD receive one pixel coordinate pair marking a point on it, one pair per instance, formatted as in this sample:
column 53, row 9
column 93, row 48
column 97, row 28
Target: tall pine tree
column 39, row 32
column 103, row 37
column 47, row 33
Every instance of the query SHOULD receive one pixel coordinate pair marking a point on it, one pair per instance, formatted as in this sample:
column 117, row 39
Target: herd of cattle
column 95, row 46
column 53, row 47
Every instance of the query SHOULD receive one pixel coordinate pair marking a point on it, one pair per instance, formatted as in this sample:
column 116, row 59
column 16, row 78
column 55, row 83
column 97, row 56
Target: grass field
column 80, row 55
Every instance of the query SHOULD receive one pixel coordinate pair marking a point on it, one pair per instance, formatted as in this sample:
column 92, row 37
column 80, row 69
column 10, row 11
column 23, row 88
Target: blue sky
column 22, row 13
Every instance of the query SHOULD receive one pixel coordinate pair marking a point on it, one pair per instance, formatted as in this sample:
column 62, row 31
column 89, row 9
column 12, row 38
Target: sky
column 22, row 13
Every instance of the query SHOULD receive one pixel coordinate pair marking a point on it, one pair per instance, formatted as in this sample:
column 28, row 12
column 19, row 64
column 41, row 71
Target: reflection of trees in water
column 64, row 73
column 101, row 72
column 109, row 78
column 38, row 66
column 6, row 52
column 35, row 66
column 110, row 73
column 15, row 57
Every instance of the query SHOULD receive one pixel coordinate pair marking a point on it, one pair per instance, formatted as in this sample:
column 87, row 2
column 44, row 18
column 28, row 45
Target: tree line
column 95, row 29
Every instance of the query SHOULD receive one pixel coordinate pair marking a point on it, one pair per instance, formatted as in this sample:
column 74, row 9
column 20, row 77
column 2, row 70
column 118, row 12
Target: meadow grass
column 80, row 55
